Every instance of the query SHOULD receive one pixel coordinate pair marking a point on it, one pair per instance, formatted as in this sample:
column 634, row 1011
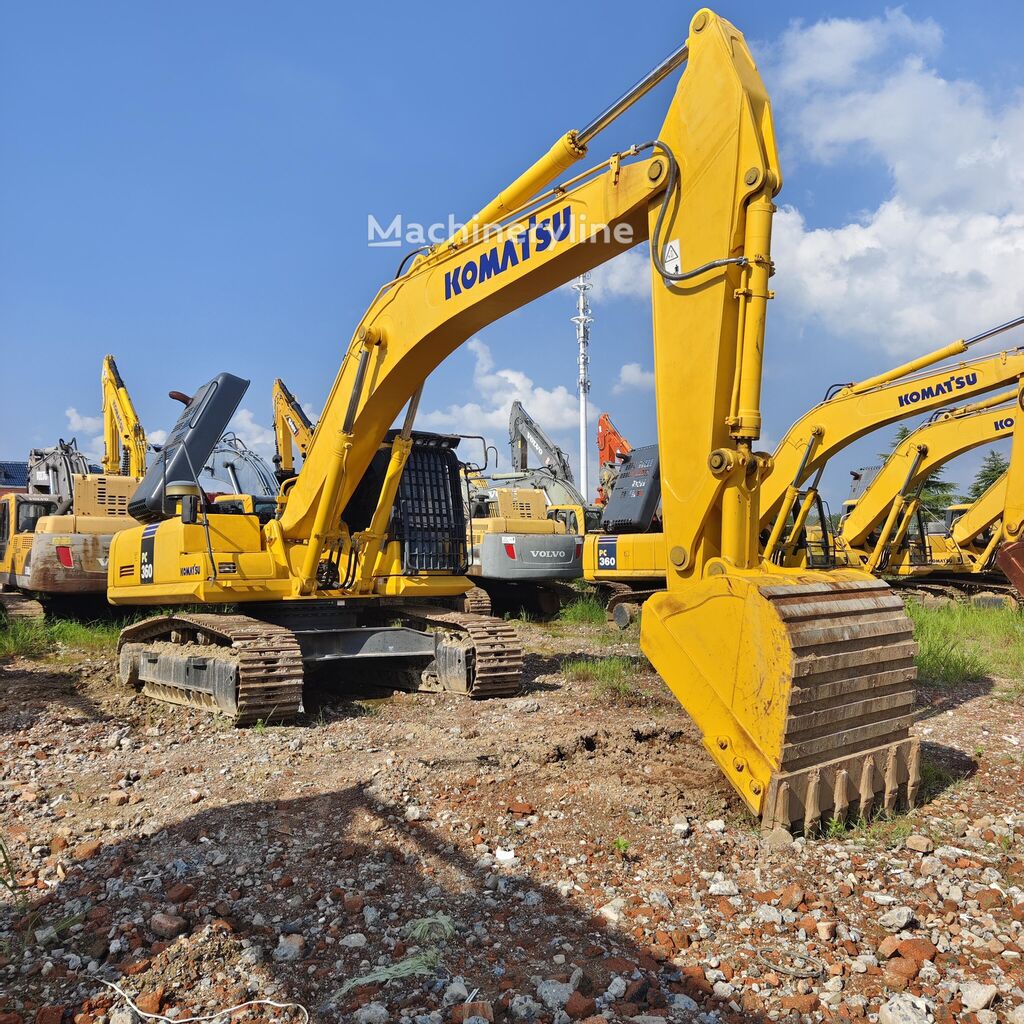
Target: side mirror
column 190, row 509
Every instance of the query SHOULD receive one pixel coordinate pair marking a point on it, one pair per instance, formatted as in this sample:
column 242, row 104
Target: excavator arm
column 124, row 440
column 524, row 435
column 883, row 512
column 611, row 447
column 292, row 429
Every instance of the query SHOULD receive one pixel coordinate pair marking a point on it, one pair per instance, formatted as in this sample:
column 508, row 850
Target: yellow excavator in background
column 882, row 530
column 633, row 566
column 124, row 440
column 801, row 682
column 292, row 429
column 54, row 539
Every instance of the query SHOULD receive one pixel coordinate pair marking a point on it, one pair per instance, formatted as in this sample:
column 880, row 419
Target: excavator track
column 496, row 669
column 846, row 743
column 19, row 607
column 266, row 684
column 475, row 601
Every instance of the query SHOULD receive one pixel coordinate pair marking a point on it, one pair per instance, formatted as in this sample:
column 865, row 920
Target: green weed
column 583, row 611
column 953, row 643
column 38, row 639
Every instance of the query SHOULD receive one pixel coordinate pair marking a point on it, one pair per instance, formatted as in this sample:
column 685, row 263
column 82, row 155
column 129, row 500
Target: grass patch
column 956, row 644
column 611, row 676
column 35, row 639
column 583, row 611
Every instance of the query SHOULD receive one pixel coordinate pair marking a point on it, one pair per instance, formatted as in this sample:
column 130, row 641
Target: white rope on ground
column 211, row 1016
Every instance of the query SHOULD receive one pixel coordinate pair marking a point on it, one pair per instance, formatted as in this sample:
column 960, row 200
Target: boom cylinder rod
column 562, row 155
column 657, row 74
column 992, row 332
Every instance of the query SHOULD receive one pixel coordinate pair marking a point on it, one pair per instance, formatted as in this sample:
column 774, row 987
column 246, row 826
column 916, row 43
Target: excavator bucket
column 803, row 688
column 1010, row 558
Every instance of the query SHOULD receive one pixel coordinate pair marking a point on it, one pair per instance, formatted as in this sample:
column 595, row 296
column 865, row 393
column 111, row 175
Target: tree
column 993, row 466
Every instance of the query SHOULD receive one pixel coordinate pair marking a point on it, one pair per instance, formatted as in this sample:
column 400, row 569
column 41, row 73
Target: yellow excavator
column 634, row 565
column 882, row 530
column 292, row 429
column 54, row 539
column 124, row 440
column 801, row 682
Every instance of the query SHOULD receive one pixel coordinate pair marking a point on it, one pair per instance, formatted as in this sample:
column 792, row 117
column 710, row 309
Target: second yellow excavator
column 292, row 429
column 55, row 539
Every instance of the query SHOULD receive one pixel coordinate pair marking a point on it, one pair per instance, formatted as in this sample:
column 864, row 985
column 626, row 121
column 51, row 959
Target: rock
column 372, row 1013
column 503, row 856
column 919, row 844
column 524, row 706
column 413, row 813
column 767, row 914
column 180, row 892
column 353, row 903
column 723, row 887
column 616, row 988
column 579, row 1006
column 904, row 1009
column 976, row 996
column 354, row 941
column 479, row 1009
column 802, row 1004
column 919, row 949
column 897, row 919
column 118, row 798
column 1016, row 1014
column 456, row 992
column 554, row 994
column 289, row 948
column 523, row 1007
column 167, row 926
column 826, row 930
column 716, row 825
column 679, row 1001
column 86, row 850
column 151, row 1000
column 123, row 1015
column 791, row 897
column 49, row 1014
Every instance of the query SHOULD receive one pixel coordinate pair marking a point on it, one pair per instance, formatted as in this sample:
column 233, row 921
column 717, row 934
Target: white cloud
column 156, row 436
column 555, row 409
column 259, row 438
column 627, row 276
column 943, row 253
column 83, row 424
column 831, row 52
column 633, row 377
column 903, row 280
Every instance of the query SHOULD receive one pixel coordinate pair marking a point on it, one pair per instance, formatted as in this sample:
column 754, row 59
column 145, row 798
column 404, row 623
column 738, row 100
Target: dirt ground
column 560, row 855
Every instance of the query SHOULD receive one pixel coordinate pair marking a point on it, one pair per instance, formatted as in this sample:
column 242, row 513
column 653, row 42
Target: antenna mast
column 583, row 320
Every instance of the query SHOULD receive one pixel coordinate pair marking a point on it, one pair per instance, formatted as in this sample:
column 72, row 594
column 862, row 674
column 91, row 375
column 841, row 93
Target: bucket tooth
column 841, row 796
column 892, row 782
column 804, row 682
column 913, row 774
column 812, row 802
column 867, row 788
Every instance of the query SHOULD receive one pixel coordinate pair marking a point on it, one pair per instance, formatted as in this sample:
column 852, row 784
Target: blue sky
column 187, row 186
